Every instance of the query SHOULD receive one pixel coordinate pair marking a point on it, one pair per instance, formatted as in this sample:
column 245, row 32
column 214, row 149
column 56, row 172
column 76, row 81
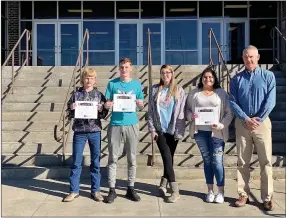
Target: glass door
column 69, row 43
column 217, row 27
column 45, row 44
column 156, row 42
column 127, row 41
column 235, row 40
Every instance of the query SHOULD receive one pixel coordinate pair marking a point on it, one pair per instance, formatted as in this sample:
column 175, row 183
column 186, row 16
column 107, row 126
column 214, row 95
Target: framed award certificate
column 86, row 110
column 206, row 115
column 124, row 103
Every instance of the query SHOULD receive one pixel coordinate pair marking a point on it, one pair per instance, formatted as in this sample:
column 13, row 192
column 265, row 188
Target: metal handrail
column 220, row 58
column 272, row 32
column 62, row 118
column 12, row 54
column 150, row 86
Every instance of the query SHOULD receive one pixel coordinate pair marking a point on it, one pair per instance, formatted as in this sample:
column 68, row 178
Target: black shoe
column 111, row 196
column 131, row 194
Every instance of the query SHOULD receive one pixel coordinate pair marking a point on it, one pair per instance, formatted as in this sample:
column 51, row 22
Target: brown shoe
column 97, row 196
column 241, row 201
column 268, row 205
column 71, row 197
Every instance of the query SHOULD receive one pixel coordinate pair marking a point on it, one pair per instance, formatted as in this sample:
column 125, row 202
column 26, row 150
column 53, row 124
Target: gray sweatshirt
column 225, row 113
column 177, row 123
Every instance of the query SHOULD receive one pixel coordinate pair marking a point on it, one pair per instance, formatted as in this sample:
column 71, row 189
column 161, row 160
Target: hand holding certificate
column 124, row 103
column 206, row 115
column 86, row 109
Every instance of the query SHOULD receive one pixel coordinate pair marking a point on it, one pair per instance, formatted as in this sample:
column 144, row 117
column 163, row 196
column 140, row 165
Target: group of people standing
column 251, row 99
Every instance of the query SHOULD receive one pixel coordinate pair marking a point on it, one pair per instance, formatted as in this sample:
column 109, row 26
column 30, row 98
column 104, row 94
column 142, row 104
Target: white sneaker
column 210, row 197
column 219, row 198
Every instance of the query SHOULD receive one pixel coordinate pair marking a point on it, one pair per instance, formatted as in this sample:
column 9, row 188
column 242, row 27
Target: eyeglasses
column 167, row 73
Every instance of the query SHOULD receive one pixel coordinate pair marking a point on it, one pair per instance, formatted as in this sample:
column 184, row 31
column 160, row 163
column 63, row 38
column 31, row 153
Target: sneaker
column 71, row 197
column 97, row 196
column 111, row 196
column 131, row 194
column 210, row 197
column 219, row 198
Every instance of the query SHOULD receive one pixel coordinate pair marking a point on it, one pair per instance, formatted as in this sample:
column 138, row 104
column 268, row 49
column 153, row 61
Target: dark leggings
column 167, row 146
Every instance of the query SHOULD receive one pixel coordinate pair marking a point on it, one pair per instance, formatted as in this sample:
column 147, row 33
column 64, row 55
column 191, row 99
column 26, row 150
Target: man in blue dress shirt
column 252, row 98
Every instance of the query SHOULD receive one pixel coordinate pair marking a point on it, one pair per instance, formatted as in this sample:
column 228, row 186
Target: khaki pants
column 261, row 138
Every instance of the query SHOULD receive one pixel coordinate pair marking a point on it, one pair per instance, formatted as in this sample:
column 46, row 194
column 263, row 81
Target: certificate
column 86, row 110
column 206, row 115
column 124, row 103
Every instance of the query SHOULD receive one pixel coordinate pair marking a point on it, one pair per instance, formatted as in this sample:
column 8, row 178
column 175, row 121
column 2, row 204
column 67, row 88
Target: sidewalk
column 43, row 198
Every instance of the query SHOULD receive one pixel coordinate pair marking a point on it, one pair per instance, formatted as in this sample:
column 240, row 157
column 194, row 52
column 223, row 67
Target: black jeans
column 167, row 146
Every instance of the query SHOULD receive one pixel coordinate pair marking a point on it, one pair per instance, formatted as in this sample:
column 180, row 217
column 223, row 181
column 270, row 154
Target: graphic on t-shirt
column 126, row 93
column 164, row 100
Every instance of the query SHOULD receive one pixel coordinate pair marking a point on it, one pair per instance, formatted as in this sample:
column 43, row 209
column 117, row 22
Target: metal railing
column 280, row 36
column 62, row 120
column 221, row 60
column 12, row 55
column 150, row 87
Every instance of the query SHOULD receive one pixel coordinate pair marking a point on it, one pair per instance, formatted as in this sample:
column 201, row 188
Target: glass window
column 94, row 10
column 235, row 9
column 25, row 25
column 263, row 9
column 181, row 35
column 182, row 57
column 266, row 56
column 181, row 9
column 26, row 9
column 210, row 9
column 152, row 9
column 100, row 58
column 127, row 9
column 45, row 10
column 72, row 10
column 102, row 35
column 260, row 32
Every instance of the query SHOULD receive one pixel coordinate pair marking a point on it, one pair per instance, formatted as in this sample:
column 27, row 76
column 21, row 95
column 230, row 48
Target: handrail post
column 27, row 48
column 219, row 69
column 150, row 88
column 210, row 47
column 64, row 140
column 12, row 73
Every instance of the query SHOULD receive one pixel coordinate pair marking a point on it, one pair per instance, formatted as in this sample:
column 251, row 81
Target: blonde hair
column 89, row 72
column 173, row 88
column 125, row 60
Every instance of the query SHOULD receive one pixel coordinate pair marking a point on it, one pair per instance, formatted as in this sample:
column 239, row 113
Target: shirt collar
column 250, row 72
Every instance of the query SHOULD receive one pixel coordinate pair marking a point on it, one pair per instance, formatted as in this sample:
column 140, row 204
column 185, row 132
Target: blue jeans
column 94, row 141
column 212, row 153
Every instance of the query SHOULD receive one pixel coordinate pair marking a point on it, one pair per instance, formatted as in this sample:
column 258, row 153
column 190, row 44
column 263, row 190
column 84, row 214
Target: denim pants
column 79, row 141
column 212, row 150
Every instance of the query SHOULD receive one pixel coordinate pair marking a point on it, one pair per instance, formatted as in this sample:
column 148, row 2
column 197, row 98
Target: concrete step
column 142, row 148
column 281, row 81
column 46, row 116
column 155, row 172
column 184, row 160
column 46, row 82
column 278, row 116
column 49, row 125
column 278, row 126
column 142, row 172
column 281, row 89
column 67, row 75
column 48, row 90
column 279, row 74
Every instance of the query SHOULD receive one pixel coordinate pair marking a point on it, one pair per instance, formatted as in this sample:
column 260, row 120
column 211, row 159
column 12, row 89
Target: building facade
column 179, row 30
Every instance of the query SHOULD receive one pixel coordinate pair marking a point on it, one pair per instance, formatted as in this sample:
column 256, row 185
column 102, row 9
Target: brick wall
column 13, row 27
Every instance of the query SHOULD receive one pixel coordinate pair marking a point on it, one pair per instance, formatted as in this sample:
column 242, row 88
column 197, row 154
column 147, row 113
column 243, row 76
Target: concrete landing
column 43, row 198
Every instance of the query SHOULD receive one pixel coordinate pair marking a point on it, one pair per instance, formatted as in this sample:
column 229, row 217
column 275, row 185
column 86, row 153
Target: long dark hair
column 216, row 84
